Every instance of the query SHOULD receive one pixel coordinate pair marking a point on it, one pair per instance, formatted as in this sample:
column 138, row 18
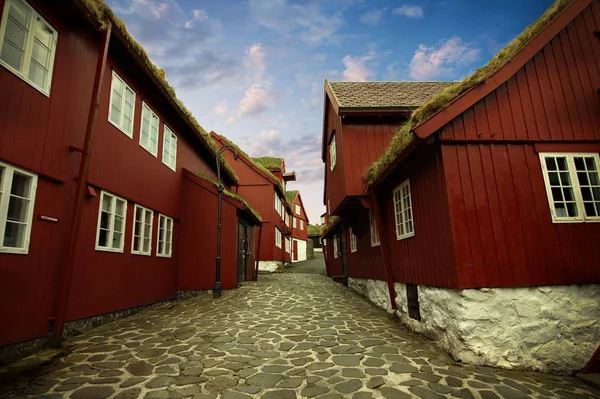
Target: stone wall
column 375, row 291
column 268, row 265
column 551, row 329
column 310, row 250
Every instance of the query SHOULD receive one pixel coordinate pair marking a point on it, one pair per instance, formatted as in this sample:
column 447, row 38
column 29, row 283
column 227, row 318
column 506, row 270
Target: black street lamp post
column 217, row 287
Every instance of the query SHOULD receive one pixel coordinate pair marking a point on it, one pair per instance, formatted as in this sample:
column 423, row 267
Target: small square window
column 112, row 214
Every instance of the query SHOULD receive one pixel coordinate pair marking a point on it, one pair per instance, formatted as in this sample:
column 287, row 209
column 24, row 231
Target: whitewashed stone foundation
column 268, row 265
column 552, row 328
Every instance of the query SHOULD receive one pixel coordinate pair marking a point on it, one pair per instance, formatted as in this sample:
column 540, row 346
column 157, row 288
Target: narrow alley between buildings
column 285, row 336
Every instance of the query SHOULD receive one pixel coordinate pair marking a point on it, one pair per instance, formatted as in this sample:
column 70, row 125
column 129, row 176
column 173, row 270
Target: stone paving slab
column 286, row 336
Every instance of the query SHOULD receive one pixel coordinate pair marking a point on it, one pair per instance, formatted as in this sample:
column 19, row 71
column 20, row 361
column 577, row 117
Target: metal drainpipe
column 383, row 245
column 62, row 297
column 258, row 252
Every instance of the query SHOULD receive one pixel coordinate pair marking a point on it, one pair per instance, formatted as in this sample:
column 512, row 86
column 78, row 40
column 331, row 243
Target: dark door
column 342, row 246
column 243, row 251
column 295, row 249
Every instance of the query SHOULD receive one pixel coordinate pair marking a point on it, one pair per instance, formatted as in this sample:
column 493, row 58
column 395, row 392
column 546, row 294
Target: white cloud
column 371, row 18
column 269, row 143
column 356, row 68
column 255, row 60
column 221, row 108
column 256, row 101
column 409, row 11
column 198, row 15
column 307, row 22
column 442, row 61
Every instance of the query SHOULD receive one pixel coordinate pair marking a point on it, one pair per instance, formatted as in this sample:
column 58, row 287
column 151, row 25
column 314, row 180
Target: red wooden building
column 299, row 228
column 262, row 181
column 95, row 156
column 485, row 204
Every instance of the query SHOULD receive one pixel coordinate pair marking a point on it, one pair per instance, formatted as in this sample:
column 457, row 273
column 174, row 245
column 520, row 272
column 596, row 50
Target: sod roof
column 443, row 99
column 314, row 230
column 365, row 95
column 103, row 14
column 269, row 162
column 290, row 195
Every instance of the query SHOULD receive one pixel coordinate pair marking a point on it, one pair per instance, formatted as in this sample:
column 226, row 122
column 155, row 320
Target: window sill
column 141, row 253
column 163, row 256
column 100, row 249
column 130, row 135
column 398, row 238
column 375, row 245
column 562, row 221
column 14, row 251
column 24, row 79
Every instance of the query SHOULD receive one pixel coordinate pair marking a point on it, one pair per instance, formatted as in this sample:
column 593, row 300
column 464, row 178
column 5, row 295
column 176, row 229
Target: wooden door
column 243, row 251
column 342, row 247
column 295, row 249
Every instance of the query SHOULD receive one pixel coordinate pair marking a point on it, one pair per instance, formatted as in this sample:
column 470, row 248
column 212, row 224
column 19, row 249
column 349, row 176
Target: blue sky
column 254, row 70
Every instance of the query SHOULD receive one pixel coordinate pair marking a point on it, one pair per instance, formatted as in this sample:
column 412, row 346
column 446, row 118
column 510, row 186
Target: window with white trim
column 17, row 199
column 278, row 204
column 353, row 244
column 403, row 211
column 373, row 230
column 149, row 130
column 335, row 246
column 572, row 186
column 27, row 44
column 141, row 242
column 164, row 247
column 169, row 157
column 294, row 222
column 332, row 152
column 277, row 238
column 112, row 214
column 297, row 208
column 122, row 105
column 301, row 224
column 287, row 245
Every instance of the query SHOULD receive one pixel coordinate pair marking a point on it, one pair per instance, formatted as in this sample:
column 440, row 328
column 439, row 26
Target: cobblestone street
column 285, row 336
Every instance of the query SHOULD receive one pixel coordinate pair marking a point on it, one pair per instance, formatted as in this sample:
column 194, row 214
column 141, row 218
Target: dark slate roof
column 384, row 94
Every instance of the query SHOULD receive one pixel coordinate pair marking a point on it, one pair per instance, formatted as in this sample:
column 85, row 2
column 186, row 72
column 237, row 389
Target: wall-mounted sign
column 48, row 218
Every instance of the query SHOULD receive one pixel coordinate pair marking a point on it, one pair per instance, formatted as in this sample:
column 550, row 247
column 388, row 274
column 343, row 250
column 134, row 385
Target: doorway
column 295, row 249
column 243, row 251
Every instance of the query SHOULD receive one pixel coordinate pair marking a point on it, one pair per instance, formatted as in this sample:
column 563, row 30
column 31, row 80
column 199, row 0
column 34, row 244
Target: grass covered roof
column 314, row 230
column 103, row 14
column 290, row 195
column 269, row 162
column 405, row 136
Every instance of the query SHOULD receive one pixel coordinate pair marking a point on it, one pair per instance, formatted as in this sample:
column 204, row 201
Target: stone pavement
column 286, row 336
column 312, row 266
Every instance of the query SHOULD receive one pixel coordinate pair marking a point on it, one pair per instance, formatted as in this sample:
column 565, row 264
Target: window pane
column 565, row 179
column 17, row 209
column 120, row 208
column 43, row 33
column 579, row 163
column 37, row 74
column 590, row 163
column 146, row 245
column 136, row 243
column 11, row 55
column 554, row 179
column 586, row 193
column 568, row 194
column 118, row 224
column 104, row 219
column 21, row 185
column 14, row 235
column 116, row 243
column 562, row 163
column 15, row 33
column 20, row 12
column 551, row 163
column 103, row 238
column 560, row 208
column 590, row 209
column 40, row 54
column 572, row 209
column 583, row 178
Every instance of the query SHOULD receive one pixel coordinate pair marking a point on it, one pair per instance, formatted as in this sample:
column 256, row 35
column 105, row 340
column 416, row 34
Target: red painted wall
column 296, row 232
column 333, row 265
column 427, row 257
column 334, row 180
column 367, row 261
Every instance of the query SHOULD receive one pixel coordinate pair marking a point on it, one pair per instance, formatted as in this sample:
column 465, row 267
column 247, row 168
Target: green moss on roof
column 441, row 100
column 290, row 195
column 314, row 230
column 100, row 11
column 269, row 162
column 231, row 195
column 333, row 221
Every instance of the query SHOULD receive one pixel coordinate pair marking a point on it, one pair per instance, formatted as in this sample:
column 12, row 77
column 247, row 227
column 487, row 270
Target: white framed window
column 169, row 157
column 572, row 186
column 297, row 209
column 278, row 204
column 149, row 130
column 27, row 44
column 164, row 247
column 373, row 230
column 17, row 199
column 403, row 210
column 301, row 224
column 141, row 241
column 287, row 245
column 112, row 214
column 335, row 246
column 122, row 105
column 332, row 152
column 277, row 238
column 294, row 222
column 287, row 219
column 353, row 244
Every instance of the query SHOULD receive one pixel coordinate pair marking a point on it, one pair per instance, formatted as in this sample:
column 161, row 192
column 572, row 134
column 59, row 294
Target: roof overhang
column 291, row 176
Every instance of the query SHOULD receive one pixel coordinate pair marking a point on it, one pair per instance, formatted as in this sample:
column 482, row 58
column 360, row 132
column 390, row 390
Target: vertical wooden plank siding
column 367, row 261
column 427, row 257
column 335, row 186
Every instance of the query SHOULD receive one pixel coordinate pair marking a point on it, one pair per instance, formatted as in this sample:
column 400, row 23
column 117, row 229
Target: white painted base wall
column 301, row 250
column 268, row 265
column 552, row 328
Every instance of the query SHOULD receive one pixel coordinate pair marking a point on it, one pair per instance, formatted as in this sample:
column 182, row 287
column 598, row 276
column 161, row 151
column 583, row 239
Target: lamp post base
column 217, row 290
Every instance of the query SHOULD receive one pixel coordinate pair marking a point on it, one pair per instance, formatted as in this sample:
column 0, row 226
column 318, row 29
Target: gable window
column 294, row 222
column 27, row 44
column 17, row 198
column 332, row 152
column 164, row 248
column 169, row 148
column 403, row 211
column 373, row 230
column 111, row 223
column 149, row 130
column 297, row 209
column 353, row 244
column 572, row 186
column 301, row 224
column 141, row 244
column 122, row 105
column 335, row 246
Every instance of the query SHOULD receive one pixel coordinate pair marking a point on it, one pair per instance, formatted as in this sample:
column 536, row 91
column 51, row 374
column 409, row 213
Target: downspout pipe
column 258, row 253
column 383, row 245
column 64, row 281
